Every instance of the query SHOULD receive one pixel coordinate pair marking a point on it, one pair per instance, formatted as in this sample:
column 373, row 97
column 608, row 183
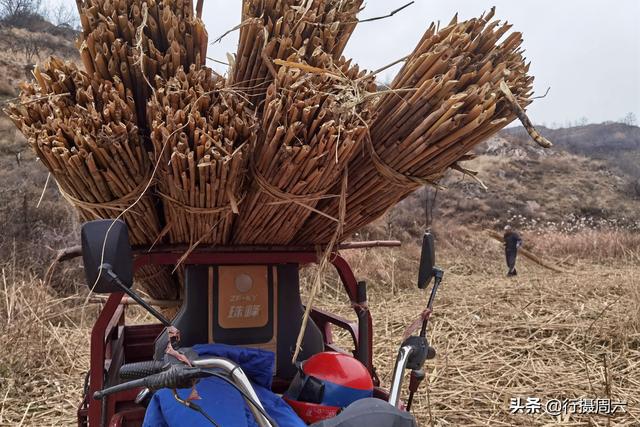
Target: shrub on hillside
column 7, row 90
column 20, row 13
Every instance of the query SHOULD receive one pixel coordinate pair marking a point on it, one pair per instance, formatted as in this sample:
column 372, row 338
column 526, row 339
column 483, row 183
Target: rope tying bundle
column 393, row 176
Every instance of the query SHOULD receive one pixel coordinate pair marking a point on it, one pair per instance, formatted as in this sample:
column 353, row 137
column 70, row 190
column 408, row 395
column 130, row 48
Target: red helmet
column 325, row 384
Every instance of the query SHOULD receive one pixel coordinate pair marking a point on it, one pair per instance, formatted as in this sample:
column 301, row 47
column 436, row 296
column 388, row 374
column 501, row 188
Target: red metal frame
column 111, row 339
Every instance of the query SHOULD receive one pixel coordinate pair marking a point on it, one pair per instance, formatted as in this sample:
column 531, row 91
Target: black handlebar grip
column 362, row 292
column 134, row 371
column 177, row 376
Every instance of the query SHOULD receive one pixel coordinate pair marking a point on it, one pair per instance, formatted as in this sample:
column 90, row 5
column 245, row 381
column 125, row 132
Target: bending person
column 512, row 242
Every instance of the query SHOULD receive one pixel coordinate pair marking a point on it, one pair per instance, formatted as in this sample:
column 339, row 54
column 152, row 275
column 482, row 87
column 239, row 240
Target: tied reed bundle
column 314, row 121
column 202, row 133
column 135, row 41
column 444, row 101
column 275, row 29
column 126, row 47
column 84, row 131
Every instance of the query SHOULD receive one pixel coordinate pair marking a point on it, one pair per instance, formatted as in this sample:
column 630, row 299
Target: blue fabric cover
column 220, row 400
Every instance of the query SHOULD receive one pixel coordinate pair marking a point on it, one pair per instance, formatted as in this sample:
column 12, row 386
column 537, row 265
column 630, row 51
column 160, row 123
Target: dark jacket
column 512, row 241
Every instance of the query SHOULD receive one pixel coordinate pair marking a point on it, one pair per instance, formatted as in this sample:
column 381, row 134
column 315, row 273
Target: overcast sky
column 587, row 51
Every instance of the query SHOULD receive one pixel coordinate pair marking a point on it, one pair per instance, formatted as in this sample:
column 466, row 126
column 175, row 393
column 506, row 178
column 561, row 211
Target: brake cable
column 198, row 408
column 195, row 407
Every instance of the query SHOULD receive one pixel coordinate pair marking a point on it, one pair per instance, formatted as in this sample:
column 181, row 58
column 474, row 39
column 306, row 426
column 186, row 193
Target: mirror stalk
column 438, row 275
column 115, row 280
column 420, row 349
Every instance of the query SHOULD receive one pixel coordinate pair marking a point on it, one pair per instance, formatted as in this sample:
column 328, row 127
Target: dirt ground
column 543, row 335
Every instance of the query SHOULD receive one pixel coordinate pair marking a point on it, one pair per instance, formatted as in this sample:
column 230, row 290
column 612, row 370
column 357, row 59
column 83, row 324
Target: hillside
column 31, row 224
column 21, row 49
column 570, row 185
column 617, row 144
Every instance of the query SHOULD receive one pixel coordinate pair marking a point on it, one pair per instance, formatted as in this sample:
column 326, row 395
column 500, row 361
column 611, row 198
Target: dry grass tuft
column 588, row 244
column 45, row 352
column 542, row 336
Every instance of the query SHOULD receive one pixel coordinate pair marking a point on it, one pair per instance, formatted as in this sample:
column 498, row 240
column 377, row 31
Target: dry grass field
column 543, row 335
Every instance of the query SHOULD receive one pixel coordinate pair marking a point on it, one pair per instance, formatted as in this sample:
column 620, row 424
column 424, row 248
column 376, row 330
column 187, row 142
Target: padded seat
column 251, row 306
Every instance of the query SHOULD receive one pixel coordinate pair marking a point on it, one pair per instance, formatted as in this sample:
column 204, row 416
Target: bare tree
column 31, row 48
column 630, row 119
column 28, row 45
column 63, row 16
column 17, row 12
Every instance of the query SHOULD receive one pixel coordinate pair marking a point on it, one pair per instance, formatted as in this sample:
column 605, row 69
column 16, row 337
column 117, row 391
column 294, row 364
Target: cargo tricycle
column 226, row 356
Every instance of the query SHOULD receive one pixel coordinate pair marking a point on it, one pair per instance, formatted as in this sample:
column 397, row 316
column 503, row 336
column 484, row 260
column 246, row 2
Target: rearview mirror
column 105, row 246
column 427, row 261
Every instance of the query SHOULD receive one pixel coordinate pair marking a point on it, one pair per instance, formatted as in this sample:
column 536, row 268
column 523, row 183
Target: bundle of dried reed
column 202, row 133
column 84, row 131
column 444, row 101
column 314, row 121
column 135, row 41
column 96, row 147
column 275, row 29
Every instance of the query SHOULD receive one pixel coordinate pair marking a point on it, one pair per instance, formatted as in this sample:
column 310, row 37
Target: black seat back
column 251, row 306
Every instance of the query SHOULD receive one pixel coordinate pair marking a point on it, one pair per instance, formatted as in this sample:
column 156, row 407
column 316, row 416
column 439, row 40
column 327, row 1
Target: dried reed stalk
column 202, row 133
column 85, row 132
column 314, row 121
column 444, row 101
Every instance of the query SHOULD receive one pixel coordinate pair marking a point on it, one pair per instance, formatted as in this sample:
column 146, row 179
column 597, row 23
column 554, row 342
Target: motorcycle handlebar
column 135, row 371
column 177, row 376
